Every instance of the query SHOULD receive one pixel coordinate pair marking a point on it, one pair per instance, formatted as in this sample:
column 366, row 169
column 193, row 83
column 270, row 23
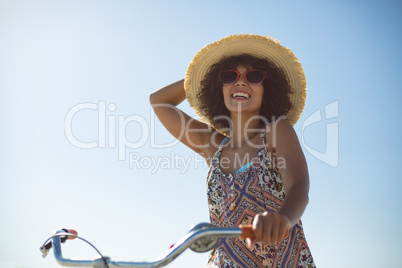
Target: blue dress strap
column 223, row 142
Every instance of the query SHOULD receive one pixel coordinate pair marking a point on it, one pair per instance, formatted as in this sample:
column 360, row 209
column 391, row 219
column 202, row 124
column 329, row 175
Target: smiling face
column 242, row 96
column 215, row 104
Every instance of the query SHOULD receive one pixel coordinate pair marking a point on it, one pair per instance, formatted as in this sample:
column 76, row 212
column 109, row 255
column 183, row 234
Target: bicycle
column 200, row 238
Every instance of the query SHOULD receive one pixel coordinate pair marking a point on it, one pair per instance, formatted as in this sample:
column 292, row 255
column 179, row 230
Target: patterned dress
column 235, row 199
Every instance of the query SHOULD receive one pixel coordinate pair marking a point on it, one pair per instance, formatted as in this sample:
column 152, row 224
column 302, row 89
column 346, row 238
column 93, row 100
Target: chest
column 257, row 189
column 232, row 159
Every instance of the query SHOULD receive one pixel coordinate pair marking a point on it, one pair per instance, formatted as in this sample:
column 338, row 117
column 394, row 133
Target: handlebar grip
column 73, row 232
column 247, row 232
column 70, row 231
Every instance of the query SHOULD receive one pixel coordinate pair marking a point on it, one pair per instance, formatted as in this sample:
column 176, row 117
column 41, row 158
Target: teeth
column 241, row 94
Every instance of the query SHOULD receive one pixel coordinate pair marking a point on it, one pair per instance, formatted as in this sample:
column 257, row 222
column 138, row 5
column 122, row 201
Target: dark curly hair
column 275, row 103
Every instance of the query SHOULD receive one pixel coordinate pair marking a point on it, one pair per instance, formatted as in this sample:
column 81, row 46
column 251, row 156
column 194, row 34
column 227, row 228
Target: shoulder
column 279, row 132
column 211, row 145
column 282, row 139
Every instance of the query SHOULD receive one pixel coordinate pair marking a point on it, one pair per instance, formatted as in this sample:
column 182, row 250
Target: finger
column 275, row 231
column 257, row 227
column 285, row 233
column 267, row 229
column 250, row 243
column 284, row 229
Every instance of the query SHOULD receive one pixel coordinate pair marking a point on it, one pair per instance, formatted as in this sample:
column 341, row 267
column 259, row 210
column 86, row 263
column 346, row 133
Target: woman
column 248, row 90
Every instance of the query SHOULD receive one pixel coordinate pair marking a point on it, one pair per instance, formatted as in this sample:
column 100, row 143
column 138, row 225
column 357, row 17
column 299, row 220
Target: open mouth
column 240, row 95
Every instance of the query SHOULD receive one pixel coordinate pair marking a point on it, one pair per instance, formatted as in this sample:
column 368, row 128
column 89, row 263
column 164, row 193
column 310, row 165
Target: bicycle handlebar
column 201, row 238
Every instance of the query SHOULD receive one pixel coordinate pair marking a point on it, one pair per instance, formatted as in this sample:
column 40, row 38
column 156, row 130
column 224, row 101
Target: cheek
column 225, row 88
column 226, row 91
column 226, row 95
column 259, row 91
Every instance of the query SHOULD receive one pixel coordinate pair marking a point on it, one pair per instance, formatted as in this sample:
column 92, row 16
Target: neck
column 244, row 128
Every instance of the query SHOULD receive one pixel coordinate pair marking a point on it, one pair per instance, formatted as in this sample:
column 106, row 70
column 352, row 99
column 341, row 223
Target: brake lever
column 46, row 247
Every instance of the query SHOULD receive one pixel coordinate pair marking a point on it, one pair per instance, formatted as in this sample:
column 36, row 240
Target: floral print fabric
column 235, row 199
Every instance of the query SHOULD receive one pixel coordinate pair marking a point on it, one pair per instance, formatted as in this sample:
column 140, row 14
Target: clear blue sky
column 59, row 57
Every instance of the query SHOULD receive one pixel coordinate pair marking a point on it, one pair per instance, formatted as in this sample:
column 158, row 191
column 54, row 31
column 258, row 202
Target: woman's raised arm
column 191, row 132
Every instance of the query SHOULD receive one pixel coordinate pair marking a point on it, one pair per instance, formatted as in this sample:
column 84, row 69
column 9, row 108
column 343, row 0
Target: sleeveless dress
column 236, row 199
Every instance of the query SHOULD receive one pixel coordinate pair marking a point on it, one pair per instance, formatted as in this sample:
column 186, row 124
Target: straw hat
column 256, row 45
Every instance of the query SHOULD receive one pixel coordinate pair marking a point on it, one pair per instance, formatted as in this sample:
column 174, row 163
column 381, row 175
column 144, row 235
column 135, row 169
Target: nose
column 241, row 81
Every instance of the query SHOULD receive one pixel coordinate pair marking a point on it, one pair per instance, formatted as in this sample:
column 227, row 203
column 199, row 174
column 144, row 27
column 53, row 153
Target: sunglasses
column 251, row 76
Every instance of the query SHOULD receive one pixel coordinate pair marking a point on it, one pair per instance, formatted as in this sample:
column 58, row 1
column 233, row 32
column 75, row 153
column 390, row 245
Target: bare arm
column 189, row 131
column 273, row 227
column 294, row 172
column 172, row 94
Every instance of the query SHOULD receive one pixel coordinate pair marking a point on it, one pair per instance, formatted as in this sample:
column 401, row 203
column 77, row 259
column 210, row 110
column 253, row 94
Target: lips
column 240, row 95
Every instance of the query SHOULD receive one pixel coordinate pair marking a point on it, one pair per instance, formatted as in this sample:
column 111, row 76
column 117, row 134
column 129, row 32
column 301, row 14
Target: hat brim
column 256, row 45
